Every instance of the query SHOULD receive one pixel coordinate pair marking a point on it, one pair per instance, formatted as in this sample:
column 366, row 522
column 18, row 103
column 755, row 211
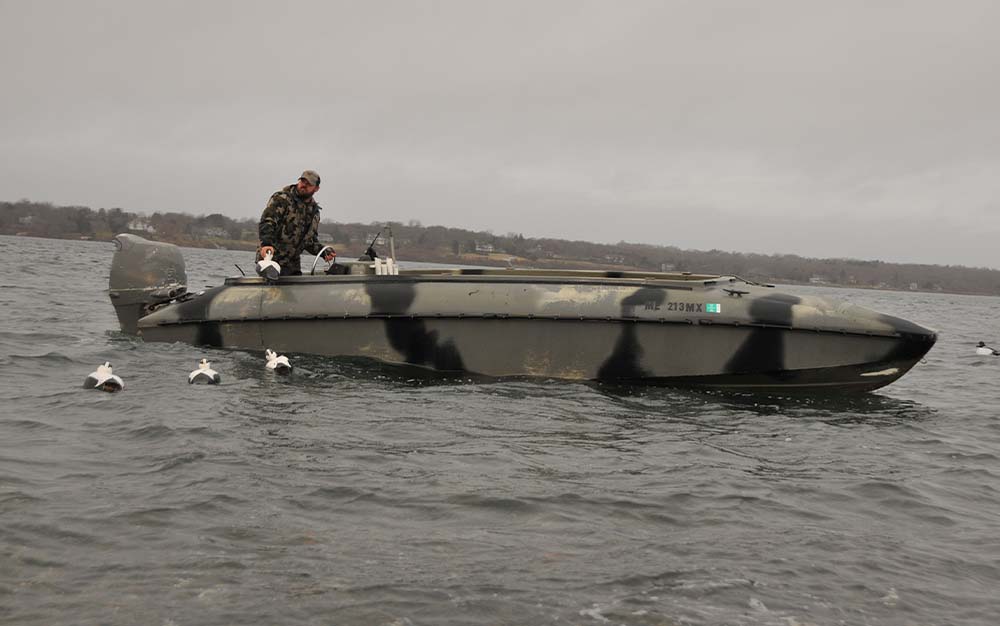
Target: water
column 352, row 494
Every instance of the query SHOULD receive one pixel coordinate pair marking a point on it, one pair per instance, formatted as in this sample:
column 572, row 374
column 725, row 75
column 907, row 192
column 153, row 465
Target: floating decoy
column 276, row 362
column 104, row 379
column 204, row 374
column 984, row 350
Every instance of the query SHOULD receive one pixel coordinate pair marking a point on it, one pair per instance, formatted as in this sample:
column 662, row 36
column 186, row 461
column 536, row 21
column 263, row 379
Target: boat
column 681, row 329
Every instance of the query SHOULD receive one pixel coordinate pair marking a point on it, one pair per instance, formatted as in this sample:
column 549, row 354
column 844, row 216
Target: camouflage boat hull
column 703, row 331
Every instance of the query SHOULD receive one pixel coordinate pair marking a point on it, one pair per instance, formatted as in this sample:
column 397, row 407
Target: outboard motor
column 143, row 274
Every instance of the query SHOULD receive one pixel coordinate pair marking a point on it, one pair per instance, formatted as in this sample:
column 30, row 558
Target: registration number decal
column 684, row 307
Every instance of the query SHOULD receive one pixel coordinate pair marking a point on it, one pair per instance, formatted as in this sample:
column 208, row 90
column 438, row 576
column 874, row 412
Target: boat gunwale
column 652, row 280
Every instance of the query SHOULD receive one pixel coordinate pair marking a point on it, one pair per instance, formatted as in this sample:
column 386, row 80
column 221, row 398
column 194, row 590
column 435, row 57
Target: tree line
column 415, row 241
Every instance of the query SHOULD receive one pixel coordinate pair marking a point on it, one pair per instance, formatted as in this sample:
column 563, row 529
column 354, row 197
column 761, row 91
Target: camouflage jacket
column 291, row 225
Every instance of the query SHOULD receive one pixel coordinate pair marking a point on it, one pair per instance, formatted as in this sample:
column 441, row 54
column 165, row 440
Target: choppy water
column 351, row 494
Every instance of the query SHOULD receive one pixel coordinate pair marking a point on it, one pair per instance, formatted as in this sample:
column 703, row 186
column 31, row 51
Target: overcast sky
column 829, row 129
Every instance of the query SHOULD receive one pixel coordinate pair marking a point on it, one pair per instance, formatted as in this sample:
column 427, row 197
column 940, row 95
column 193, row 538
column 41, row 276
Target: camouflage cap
column 310, row 177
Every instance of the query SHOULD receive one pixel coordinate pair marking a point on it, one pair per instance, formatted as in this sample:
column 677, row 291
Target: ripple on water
column 173, row 461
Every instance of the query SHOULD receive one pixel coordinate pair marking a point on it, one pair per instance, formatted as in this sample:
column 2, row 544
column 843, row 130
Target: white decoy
column 104, row 379
column 204, row 374
column 276, row 362
column 984, row 350
column 268, row 268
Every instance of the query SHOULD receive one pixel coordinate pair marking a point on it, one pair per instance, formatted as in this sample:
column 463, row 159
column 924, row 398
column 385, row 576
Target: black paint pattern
column 196, row 310
column 624, row 362
column 914, row 340
column 764, row 349
column 410, row 337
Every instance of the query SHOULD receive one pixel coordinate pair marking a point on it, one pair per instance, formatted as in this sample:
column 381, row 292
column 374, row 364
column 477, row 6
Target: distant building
column 379, row 241
column 142, row 225
column 27, row 219
column 484, row 248
column 215, row 231
column 615, row 259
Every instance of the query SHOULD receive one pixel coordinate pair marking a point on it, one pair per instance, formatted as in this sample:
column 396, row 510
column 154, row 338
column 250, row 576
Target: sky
column 848, row 129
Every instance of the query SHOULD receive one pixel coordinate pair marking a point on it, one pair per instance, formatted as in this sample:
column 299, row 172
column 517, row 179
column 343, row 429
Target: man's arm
column 270, row 221
column 312, row 244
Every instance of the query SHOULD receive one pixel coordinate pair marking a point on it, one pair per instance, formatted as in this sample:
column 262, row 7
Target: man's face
column 305, row 189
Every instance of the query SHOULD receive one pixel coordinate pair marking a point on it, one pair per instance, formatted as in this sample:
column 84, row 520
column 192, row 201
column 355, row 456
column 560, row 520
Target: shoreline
column 492, row 260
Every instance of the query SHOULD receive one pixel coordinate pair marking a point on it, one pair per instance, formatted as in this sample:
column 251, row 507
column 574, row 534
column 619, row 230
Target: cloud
column 846, row 129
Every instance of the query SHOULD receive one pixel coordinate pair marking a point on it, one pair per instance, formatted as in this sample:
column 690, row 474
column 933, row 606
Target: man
column 290, row 224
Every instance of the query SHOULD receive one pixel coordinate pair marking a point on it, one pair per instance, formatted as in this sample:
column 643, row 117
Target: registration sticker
column 713, row 308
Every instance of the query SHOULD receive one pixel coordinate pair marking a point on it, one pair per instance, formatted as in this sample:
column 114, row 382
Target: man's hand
column 264, row 250
column 329, row 255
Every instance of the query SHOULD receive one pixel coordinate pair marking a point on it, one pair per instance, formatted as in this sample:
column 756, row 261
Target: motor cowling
column 143, row 273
